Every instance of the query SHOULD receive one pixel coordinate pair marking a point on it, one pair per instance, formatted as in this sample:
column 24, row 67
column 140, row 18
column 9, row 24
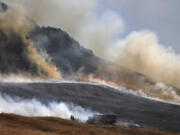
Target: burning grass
column 19, row 125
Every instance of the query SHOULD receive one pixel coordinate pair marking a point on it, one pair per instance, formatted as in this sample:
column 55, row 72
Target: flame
column 99, row 80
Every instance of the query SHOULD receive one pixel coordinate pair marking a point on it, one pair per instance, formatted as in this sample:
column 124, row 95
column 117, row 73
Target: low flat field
column 11, row 124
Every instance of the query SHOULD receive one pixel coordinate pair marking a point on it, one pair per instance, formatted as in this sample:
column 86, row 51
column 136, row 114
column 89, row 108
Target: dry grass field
column 11, row 124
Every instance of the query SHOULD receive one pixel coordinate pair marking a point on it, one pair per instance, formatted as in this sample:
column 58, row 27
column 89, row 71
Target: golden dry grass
column 11, row 124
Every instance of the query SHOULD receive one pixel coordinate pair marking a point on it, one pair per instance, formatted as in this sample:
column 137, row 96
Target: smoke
column 141, row 52
column 141, row 63
column 16, row 78
column 35, row 108
column 101, row 32
column 79, row 18
column 138, row 61
column 161, row 91
column 17, row 52
column 68, row 15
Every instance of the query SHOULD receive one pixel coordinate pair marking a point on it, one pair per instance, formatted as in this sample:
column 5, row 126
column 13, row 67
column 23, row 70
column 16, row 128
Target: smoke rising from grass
column 141, row 52
column 35, row 108
column 17, row 52
column 143, row 64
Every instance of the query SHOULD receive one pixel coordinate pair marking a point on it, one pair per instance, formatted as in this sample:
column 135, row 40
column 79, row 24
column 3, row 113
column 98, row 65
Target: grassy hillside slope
column 11, row 124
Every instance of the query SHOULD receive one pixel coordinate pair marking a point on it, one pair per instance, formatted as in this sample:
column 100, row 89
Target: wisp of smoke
column 33, row 107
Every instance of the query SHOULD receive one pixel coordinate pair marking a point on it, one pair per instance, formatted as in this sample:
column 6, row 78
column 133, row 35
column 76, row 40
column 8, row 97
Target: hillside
column 66, row 53
column 19, row 125
column 31, row 48
column 130, row 108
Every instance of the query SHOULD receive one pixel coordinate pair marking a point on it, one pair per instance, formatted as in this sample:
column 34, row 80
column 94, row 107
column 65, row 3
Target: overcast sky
column 159, row 16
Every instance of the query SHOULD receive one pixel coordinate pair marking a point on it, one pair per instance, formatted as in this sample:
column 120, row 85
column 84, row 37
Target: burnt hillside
column 67, row 54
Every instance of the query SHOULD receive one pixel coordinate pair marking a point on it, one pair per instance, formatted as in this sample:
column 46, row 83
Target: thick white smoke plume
column 142, row 53
column 35, row 108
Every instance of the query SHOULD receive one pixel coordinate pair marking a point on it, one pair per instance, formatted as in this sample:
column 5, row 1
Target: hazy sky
column 159, row 16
